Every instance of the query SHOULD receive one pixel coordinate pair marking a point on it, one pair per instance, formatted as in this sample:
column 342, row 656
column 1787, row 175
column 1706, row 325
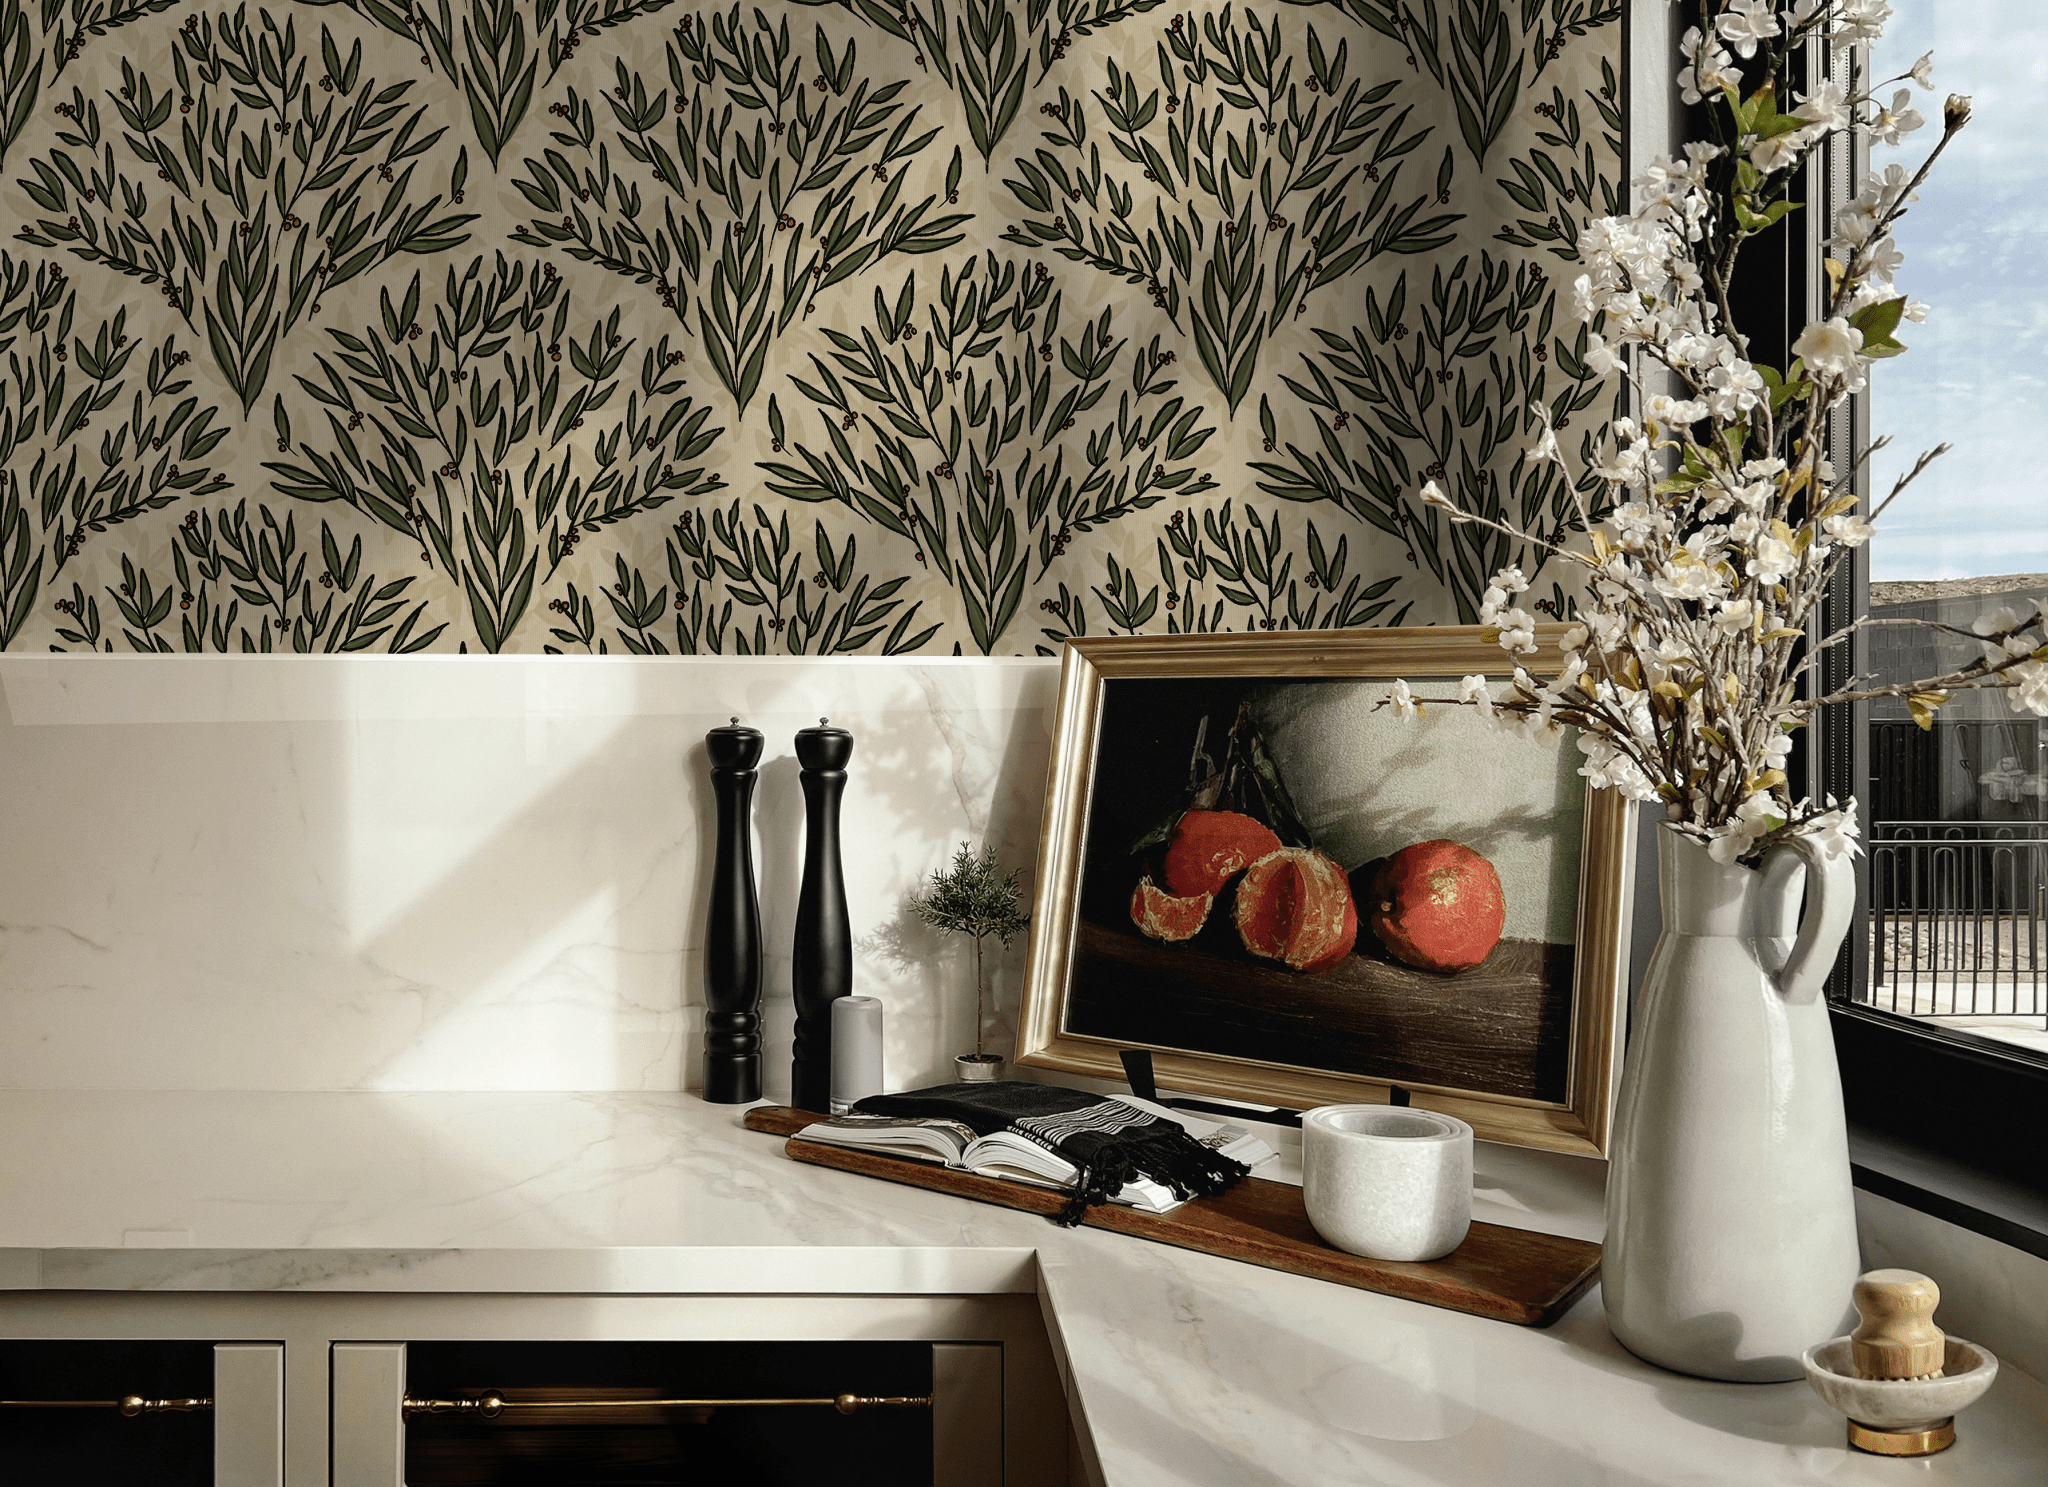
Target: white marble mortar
column 1386, row 1182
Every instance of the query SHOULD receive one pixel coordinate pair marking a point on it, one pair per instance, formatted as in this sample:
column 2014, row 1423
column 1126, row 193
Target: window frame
column 1920, row 1099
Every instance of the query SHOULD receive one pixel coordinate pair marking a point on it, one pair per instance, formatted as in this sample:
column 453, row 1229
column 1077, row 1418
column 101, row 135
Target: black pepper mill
column 821, row 968
column 732, row 944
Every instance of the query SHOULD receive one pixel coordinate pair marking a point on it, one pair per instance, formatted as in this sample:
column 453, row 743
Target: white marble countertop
column 1187, row 1369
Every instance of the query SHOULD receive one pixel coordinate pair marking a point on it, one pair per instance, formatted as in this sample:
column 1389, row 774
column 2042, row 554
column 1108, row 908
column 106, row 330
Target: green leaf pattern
column 883, row 327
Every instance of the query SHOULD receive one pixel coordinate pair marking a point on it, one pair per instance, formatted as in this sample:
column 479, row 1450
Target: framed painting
column 1251, row 867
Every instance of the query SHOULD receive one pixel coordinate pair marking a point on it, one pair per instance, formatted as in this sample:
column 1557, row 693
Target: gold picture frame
column 1565, row 1105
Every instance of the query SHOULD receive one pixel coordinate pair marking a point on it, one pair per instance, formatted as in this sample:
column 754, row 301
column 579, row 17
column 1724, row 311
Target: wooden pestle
column 1897, row 1338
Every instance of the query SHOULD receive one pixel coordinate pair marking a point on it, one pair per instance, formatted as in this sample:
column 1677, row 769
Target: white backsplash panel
column 441, row 873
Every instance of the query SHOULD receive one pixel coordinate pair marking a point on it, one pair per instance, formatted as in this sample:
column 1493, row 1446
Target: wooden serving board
column 1510, row 1275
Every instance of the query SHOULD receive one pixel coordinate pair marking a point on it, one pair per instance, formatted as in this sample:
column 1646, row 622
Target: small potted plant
column 972, row 898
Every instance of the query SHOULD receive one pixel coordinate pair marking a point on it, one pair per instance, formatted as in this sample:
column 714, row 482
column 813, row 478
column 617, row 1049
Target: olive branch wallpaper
column 869, row 327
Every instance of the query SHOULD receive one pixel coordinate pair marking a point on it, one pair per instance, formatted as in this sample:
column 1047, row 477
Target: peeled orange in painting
column 1295, row 906
column 1438, row 906
column 1209, row 848
column 1162, row 916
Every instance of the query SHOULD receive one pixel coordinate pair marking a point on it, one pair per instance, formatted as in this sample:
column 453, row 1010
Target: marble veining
column 1186, row 1370
column 368, row 873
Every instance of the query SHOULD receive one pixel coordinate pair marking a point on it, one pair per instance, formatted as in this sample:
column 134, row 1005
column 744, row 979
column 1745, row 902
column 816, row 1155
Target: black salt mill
column 732, row 944
column 821, row 969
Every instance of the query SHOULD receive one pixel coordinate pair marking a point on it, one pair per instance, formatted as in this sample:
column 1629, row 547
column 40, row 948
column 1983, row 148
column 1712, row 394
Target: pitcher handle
column 1830, row 906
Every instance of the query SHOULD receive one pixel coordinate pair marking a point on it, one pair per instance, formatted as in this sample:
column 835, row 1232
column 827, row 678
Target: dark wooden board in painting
column 1508, row 1275
column 1502, row 1028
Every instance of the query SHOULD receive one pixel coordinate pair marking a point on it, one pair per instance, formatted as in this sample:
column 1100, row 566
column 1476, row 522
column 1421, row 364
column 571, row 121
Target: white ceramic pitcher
column 1731, row 1228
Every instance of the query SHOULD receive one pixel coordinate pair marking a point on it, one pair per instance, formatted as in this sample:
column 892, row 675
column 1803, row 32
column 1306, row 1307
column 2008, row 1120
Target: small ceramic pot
column 1386, row 1182
column 978, row 1069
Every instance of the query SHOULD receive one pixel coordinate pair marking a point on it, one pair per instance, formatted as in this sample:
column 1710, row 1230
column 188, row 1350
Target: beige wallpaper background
column 852, row 328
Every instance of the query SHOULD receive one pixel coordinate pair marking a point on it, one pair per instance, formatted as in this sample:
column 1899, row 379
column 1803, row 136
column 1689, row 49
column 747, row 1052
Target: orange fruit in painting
column 1438, row 906
column 1164, row 917
column 1295, row 906
column 1209, row 848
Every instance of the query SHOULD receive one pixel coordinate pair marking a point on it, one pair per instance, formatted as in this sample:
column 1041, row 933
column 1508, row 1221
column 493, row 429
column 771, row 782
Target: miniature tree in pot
column 972, row 898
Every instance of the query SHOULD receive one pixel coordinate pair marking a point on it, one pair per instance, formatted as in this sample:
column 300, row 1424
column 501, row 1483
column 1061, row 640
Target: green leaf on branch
column 1877, row 322
column 1784, row 389
column 1765, row 122
column 1694, row 469
column 1770, row 217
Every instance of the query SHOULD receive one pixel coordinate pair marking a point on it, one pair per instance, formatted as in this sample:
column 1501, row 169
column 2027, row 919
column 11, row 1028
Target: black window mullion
column 1841, row 751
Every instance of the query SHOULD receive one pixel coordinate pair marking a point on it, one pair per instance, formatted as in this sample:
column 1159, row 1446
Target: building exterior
column 1981, row 761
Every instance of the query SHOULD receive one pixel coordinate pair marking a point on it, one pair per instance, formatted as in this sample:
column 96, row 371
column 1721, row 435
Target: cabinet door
column 368, row 1383
column 248, row 1414
column 367, row 1413
column 967, row 1414
column 204, row 1414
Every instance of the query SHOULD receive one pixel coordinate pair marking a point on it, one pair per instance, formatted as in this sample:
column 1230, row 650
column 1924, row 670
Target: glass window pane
column 1959, row 851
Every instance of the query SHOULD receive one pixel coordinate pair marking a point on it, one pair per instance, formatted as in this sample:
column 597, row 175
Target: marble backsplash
column 370, row 873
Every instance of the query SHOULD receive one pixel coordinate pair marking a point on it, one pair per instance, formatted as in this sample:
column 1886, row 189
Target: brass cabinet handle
column 491, row 1405
column 128, row 1404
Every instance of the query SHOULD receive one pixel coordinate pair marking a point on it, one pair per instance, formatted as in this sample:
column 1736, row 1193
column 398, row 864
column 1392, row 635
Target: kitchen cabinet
column 376, row 1390
column 171, row 1412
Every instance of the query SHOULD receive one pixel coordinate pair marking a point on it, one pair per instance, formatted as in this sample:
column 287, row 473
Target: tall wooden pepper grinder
column 732, row 947
column 821, row 969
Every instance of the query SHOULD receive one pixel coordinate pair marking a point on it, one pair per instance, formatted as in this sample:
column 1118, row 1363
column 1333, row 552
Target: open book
column 1014, row 1158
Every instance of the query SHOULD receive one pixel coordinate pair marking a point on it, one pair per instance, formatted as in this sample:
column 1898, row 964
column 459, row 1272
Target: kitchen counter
column 1181, row 1368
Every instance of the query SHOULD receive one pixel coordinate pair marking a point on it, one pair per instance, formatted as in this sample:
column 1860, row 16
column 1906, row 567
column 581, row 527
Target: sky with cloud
column 1976, row 247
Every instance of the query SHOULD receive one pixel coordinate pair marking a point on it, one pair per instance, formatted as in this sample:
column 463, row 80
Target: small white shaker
column 856, row 1050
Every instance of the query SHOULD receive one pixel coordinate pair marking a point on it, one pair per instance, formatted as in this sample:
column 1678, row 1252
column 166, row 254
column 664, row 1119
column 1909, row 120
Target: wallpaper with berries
column 875, row 326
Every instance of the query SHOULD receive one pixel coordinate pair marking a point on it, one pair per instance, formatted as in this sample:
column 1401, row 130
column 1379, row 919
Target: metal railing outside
column 1959, row 918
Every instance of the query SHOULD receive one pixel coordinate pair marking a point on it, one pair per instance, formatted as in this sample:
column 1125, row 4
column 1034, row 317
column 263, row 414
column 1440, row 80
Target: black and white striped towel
column 1109, row 1142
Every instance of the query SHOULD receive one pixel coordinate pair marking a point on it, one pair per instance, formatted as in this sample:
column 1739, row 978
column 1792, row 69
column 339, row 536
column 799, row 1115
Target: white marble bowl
column 1387, row 1182
column 1900, row 1405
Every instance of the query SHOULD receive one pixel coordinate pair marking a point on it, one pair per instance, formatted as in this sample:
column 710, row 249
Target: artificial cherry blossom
column 1717, row 521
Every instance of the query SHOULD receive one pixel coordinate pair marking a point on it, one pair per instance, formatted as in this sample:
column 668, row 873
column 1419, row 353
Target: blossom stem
column 1927, row 457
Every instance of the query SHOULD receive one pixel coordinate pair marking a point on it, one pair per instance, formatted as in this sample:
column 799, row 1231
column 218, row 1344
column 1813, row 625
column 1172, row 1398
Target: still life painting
column 1282, row 884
